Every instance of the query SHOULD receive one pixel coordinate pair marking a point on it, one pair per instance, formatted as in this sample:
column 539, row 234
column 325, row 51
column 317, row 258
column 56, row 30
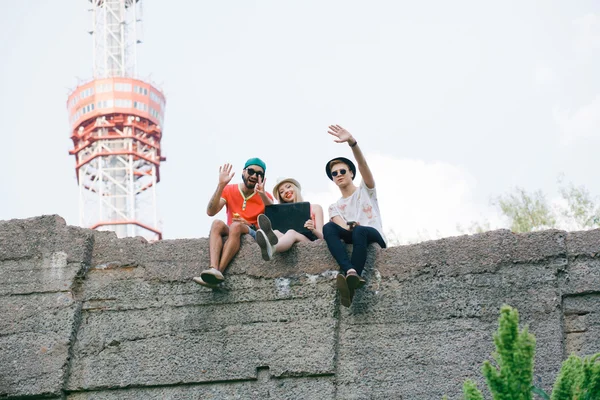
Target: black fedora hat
column 349, row 163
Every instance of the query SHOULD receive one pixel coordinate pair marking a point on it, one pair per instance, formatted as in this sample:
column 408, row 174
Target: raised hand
column 260, row 185
column 225, row 174
column 352, row 225
column 310, row 225
column 340, row 133
column 240, row 220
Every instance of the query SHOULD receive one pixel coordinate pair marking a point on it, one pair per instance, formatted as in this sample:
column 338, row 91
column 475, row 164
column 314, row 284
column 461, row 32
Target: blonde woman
column 271, row 241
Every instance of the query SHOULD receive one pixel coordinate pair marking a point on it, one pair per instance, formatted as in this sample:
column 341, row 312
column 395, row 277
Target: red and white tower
column 116, row 126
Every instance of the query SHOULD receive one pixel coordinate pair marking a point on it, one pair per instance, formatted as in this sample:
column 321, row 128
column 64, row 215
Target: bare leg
column 217, row 231
column 288, row 239
column 232, row 244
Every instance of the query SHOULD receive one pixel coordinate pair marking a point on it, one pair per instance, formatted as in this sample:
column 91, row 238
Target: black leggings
column 359, row 237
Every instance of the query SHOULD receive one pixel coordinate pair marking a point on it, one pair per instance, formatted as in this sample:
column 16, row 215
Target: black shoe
column 354, row 280
column 264, row 223
column 345, row 292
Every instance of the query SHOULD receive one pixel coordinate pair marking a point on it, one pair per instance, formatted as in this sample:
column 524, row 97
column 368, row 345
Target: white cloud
column 420, row 200
column 587, row 39
column 544, row 75
column 585, row 122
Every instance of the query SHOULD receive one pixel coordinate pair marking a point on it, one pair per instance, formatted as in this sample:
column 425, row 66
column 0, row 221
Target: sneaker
column 264, row 223
column 345, row 292
column 199, row 281
column 212, row 276
column 265, row 246
column 354, row 280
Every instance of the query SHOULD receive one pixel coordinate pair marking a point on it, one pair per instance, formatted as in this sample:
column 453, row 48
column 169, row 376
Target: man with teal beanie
column 244, row 202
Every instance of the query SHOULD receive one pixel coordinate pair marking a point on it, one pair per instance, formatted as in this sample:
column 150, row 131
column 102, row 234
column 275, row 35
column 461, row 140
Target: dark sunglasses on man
column 252, row 171
column 341, row 172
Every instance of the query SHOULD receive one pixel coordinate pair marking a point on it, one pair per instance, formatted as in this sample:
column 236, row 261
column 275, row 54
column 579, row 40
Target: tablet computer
column 288, row 216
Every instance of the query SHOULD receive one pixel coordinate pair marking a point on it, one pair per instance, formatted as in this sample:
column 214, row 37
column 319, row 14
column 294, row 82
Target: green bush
column 512, row 377
column 579, row 379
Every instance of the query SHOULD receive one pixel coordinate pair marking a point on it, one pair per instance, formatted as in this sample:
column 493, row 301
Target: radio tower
column 116, row 122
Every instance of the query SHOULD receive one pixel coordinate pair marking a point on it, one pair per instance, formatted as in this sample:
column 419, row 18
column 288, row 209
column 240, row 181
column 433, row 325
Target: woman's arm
column 318, row 231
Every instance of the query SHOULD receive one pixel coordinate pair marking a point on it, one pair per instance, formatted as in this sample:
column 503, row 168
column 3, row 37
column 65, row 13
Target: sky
column 453, row 103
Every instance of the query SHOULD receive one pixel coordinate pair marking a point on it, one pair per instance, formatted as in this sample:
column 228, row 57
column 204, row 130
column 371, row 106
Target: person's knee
column 359, row 232
column 294, row 235
column 329, row 229
column 217, row 223
column 218, row 227
column 237, row 228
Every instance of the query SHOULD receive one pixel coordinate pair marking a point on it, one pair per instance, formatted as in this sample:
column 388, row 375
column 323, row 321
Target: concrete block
column 33, row 237
column 292, row 388
column 582, row 324
column 582, row 276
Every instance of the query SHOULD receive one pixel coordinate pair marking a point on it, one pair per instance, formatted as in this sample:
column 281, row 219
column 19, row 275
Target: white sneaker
column 264, row 223
column 265, row 246
column 212, row 276
column 200, row 281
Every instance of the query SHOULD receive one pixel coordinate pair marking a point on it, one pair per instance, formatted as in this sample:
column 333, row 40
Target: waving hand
column 225, row 174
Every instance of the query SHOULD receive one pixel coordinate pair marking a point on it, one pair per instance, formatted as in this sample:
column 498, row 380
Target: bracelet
column 355, row 143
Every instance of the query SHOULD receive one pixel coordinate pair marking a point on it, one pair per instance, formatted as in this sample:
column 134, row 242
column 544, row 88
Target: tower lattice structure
column 116, row 127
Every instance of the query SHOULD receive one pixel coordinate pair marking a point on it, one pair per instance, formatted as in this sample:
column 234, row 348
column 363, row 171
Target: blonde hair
column 337, row 161
column 296, row 191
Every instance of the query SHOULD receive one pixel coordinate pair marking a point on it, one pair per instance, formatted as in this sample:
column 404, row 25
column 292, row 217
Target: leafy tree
column 581, row 207
column 530, row 211
column 526, row 212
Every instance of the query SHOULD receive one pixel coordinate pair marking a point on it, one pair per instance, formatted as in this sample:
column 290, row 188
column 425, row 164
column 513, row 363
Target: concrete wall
column 84, row 315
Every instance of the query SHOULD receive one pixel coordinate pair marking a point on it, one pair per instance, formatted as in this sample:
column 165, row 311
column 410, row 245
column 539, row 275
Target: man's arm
column 216, row 203
column 363, row 167
column 340, row 221
column 260, row 189
column 344, row 136
column 266, row 199
column 336, row 218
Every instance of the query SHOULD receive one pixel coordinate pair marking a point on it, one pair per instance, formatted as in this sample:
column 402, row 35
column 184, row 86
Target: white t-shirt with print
column 362, row 206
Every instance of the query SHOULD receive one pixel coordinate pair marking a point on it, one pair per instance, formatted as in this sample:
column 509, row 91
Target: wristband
column 355, row 143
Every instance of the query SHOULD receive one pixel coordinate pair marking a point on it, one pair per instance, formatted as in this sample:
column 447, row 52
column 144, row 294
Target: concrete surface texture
column 84, row 315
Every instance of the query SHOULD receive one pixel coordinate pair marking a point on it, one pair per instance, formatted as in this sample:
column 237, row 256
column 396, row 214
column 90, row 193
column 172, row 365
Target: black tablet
column 288, row 216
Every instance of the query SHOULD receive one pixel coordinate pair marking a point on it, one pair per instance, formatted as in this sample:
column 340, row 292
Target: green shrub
column 578, row 379
column 512, row 376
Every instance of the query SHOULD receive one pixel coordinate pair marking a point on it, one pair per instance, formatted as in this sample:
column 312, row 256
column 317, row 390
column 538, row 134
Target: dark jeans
column 360, row 237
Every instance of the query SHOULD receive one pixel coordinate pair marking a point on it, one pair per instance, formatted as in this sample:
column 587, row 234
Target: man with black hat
column 354, row 218
column 244, row 202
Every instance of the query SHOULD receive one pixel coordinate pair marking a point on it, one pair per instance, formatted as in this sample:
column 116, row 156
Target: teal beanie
column 256, row 161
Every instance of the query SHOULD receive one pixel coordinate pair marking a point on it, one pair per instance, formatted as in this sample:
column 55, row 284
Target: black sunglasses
column 252, row 171
column 341, row 171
